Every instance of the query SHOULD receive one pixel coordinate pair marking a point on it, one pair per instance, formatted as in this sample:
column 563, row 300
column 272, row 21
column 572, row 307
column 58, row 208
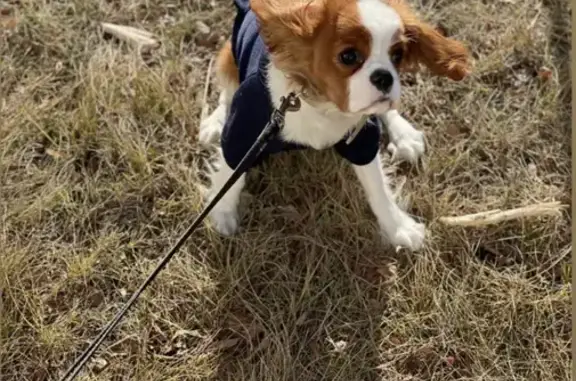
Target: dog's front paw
column 408, row 146
column 407, row 234
column 224, row 219
column 211, row 127
column 406, row 142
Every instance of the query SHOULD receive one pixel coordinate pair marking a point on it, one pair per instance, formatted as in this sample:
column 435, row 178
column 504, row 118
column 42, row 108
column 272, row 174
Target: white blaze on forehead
column 381, row 20
column 383, row 23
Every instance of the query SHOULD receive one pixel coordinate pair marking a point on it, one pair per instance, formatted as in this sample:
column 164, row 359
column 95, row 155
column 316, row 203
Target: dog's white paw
column 408, row 234
column 407, row 144
column 224, row 219
column 211, row 127
column 408, row 147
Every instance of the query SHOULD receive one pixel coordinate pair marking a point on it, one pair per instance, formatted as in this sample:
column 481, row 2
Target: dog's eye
column 351, row 57
column 396, row 56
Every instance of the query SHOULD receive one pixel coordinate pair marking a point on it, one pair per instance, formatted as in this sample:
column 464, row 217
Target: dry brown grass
column 100, row 171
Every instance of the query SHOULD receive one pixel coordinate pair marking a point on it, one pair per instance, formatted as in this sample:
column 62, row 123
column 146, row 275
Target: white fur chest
column 317, row 128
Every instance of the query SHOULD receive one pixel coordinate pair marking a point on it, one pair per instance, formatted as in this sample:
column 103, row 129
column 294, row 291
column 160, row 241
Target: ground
column 100, row 171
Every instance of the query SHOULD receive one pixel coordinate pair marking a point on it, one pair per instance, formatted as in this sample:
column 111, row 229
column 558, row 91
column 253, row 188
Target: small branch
column 498, row 215
column 137, row 37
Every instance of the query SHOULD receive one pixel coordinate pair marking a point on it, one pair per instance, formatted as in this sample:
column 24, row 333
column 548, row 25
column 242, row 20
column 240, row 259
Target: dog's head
column 350, row 52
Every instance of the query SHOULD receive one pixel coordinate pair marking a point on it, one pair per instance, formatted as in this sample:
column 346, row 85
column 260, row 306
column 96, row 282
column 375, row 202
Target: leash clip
column 289, row 103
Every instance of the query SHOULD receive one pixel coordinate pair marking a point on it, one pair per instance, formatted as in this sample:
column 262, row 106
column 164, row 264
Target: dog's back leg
column 227, row 75
column 224, row 216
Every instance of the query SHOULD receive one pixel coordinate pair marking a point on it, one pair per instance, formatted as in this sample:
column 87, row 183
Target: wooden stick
column 498, row 215
column 137, row 37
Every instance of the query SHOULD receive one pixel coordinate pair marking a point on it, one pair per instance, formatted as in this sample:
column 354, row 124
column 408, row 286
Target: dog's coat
column 251, row 105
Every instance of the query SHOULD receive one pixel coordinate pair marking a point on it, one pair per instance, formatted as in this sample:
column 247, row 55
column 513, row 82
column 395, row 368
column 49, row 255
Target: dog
column 346, row 57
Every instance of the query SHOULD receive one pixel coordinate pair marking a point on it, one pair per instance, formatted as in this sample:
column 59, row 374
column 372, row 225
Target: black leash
column 274, row 126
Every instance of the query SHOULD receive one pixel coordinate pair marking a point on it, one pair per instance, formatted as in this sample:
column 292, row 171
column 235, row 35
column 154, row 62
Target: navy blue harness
column 252, row 107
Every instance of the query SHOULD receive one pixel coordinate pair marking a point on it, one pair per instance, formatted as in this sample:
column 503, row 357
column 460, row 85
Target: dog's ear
column 425, row 45
column 441, row 55
column 282, row 21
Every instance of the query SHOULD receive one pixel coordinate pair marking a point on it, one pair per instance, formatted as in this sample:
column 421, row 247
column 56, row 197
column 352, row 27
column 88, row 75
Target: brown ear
column 443, row 56
column 283, row 20
column 288, row 28
column 426, row 45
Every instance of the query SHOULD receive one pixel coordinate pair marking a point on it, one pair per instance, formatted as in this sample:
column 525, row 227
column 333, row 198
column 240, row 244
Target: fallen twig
column 498, row 215
column 137, row 37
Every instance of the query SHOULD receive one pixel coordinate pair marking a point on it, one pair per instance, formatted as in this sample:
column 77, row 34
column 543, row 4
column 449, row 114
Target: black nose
column 382, row 79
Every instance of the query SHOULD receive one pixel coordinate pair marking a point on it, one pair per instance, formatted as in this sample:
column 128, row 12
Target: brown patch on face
column 398, row 49
column 306, row 38
column 343, row 35
column 397, row 37
column 423, row 44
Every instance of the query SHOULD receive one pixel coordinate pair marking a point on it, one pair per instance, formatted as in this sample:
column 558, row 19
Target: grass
column 100, row 172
